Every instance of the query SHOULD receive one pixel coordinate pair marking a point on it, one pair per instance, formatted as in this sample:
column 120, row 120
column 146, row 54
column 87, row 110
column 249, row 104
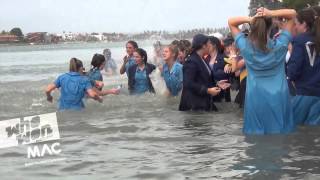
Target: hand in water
column 99, row 99
column 50, row 98
column 223, row 84
column 214, row 91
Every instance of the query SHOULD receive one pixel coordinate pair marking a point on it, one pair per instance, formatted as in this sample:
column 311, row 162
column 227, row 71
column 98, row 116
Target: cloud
column 117, row 15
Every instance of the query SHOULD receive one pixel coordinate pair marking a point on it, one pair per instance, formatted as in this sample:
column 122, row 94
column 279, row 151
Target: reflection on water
column 145, row 137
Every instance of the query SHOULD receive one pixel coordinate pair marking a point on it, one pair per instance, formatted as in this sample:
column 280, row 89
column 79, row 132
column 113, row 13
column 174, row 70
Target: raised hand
column 263, row 12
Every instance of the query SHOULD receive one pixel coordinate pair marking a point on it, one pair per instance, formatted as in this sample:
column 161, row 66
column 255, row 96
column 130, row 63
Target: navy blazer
column 132, row 73
column 299, row 69
column 218, row 68
column 218, row 74
column 196, row 81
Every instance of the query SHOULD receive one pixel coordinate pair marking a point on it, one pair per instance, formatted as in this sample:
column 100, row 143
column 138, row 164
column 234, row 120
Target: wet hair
column 75, row 65
column 185, row 46
column 216, row 42
column 198, row 41
column 173, row 49
column 310, row 16
column 175, row 42
column 259, row 33
column 133, row 43
column 143, row 54
column 97, row 60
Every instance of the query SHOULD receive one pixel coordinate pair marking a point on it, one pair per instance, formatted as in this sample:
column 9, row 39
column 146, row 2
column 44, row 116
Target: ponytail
column 75, row 65
column 259, row 32
column 97, row 60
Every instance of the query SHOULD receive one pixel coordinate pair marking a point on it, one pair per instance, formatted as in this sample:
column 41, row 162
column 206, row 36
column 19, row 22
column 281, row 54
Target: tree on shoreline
column 270, row 4
column 298, row 4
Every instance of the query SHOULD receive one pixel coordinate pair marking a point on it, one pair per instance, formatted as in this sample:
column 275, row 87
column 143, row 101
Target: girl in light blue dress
column 267, row 108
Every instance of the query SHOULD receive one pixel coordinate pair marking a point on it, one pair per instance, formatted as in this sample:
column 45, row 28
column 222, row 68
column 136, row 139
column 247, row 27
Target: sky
column 127, row 16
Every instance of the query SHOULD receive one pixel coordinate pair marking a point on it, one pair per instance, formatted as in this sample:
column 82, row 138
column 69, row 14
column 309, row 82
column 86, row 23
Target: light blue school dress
column 267, row 108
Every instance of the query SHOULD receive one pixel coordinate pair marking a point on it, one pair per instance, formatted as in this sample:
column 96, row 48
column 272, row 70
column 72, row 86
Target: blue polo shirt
column 301, row 69
column 130, row 63
column 73, row 87
column 141, row 82
column 95, row 75
column 173, row 78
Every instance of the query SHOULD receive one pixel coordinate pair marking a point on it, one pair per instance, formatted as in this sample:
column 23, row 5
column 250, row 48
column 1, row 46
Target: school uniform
column 197, row 78
column 173, row 77
column 138, row 80
column 218, row 74
column 95, row 75
column 267, row 108
column 129, row 64
column 73, row 87
column 304, row 70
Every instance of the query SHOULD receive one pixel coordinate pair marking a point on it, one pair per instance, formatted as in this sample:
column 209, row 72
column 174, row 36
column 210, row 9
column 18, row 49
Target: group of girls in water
column 276, row 95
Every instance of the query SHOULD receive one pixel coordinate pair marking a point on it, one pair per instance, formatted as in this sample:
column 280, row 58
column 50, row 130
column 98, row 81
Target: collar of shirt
column 139, row 70
column 74, row 73
column 173, row 68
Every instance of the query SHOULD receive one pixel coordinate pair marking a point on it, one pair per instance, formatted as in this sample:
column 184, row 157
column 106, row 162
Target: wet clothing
column 129, row 64
column 141, row 86
column 306, row 110
column 196, row 81
column 139, row 81
column 73, row 87
column 95, row 75
column 268, row 107
column 304, row 70
column 173, row 77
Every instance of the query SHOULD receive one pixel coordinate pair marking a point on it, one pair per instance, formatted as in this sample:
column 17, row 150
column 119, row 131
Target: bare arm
column 48, row 91
column 123, row 67
column 94, row 95
column 235, row 22
column 288, row 14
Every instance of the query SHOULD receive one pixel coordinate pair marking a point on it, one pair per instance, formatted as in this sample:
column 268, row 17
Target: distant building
column 38, row 37
column 68, row 36
column 6, row 38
